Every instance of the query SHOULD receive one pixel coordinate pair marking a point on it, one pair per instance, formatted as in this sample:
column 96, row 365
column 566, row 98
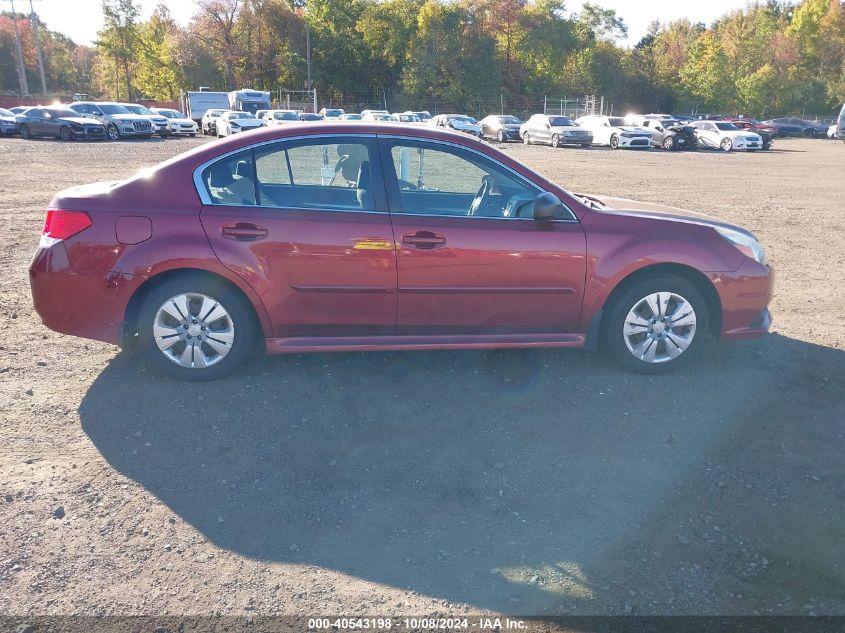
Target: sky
column 81, row 19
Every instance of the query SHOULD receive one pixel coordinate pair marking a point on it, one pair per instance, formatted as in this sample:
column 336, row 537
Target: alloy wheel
column 726, row 144
column 555, row 140
column 614, row 142
column 113, row 133
column 526, row 139
column 501, row 136
column 659, row 327
column 193, row 330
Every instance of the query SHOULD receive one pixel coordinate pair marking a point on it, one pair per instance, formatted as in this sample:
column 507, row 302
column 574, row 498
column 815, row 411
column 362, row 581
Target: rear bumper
column 90, row 305
column 745, row 295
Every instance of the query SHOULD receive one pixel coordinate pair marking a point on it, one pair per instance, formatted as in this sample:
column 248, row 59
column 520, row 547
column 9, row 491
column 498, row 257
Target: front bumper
column 745, row 295
column 639, row 142
column 89, row 134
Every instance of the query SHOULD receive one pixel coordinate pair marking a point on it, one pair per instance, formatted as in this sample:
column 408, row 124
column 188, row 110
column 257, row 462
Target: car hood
column 8, row 119
column 129, row 117
column 181, row 120
column 247, row 122
column 80, row 120
column 463, row 125
column 623, row 206
column 633, row 129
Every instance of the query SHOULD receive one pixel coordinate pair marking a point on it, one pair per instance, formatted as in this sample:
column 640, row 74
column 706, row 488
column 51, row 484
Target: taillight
column 60, row 225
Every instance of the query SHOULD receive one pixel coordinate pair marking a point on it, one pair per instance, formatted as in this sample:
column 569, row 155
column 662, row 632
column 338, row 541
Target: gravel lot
column 525, row 482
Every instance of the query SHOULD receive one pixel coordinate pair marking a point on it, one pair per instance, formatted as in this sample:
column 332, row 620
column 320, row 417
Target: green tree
column 118, row 41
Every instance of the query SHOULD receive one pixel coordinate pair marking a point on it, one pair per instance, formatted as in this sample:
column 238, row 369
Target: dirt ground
column 523, row 482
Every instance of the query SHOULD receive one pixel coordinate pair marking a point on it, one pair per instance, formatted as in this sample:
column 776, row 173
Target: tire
column 193, row 135
column 808, row 133
column 623, row 330
column 112, row 132
column 501, row 136
column 555, row 141
column 64, row 133
column 726, row 144
column 585, row 145
column 25, row 131
column 614, row 141
column 669, row 143
column 526, row 139
column 236, row 331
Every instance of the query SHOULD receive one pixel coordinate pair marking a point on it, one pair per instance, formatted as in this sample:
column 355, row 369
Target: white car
column 159, row 122
column 234, row 121
column 407, row 117
column 208, row 124
column 458, row 122
column 833, row 131
column 178, row 122
column 613, row 132
column 378, row 116
column 272, row 118
column 330, row 114
column 726, row 136
column 554, row 130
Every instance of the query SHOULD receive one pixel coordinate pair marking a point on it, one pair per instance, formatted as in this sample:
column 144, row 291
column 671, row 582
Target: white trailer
column 249, row 100
column 197, row 103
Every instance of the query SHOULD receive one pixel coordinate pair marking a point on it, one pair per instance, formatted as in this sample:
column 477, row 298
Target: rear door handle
column 423, row 239
column 243, row 232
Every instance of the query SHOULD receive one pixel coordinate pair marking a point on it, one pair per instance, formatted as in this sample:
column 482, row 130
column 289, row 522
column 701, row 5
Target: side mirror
column 548, row 126
column 547, row 206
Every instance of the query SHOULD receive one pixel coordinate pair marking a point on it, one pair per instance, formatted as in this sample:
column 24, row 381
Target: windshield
column 724, row 125
column 509, row 120
column 215, row 113
column 62, row 112
column 309, row 117
column 113, row 108
column 5, row 112
column 353, row 117
column 170, row 114
column 333, row 113
column 616, row 121
column 285, row 116
column 462, row 119
column 561, row 121
column 240, row 115
column 409, row 118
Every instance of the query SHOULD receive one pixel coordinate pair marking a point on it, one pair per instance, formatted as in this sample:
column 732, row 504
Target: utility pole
column 19, row 52
column 33, row 20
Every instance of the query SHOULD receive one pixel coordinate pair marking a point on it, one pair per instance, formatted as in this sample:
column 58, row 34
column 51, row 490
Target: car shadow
column 509, row 480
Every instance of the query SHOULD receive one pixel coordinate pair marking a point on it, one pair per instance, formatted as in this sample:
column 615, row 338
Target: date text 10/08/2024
column 437, row 624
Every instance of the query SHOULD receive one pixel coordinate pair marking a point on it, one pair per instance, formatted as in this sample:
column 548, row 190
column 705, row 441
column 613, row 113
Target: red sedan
column 349, row 236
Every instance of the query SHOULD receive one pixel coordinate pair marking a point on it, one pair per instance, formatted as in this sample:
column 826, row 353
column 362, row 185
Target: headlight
column 747, row 244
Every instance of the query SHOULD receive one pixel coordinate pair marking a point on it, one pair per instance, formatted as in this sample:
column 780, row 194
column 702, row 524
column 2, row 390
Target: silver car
column 502, row 127
column 118, row 120
column 554, row 130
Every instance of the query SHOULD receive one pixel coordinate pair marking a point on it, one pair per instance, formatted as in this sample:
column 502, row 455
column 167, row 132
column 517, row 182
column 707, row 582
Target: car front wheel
column 726, row 145
column 657, row 324
column 614, row 142
column 196, row 328
column 113, row 132
column 500, row 136
column 669, row 143
column 25, row 131
column 526, row 140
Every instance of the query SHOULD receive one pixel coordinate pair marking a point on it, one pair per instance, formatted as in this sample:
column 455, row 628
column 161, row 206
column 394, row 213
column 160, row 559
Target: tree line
column 772, row 57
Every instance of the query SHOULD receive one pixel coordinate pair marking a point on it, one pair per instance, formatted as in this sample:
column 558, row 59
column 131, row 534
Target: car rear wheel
column 25, row 131
column 727, row 144
column 657, row 324
column 113, row 132
column 195, row 328
column 669, row 143
column 614, row 141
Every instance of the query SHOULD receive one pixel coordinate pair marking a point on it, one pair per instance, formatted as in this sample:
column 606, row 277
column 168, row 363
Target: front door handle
column 423, row 239
column 243, row 232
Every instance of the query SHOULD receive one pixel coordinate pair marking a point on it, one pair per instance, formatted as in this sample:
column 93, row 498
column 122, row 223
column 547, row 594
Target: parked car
column 309, row 116
column 330, row 114
column 726, row 136
column 502, row 127
column 747, row 125
column 424, row 115
column 379, row 116
column 667, row 133
column 119, row 121
column 351, row 116
column 8, row 122
column 840, row 124
column 20, row 109
column 613, row 132
column 208, row 124
column 180, row 124
column 232, row 252
column 60, row 122
column 280, row 117
column 555, row 131
column 405, row 117
column 458, row 122
column 793, row 127
column 161, row 125
column 234, row 121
